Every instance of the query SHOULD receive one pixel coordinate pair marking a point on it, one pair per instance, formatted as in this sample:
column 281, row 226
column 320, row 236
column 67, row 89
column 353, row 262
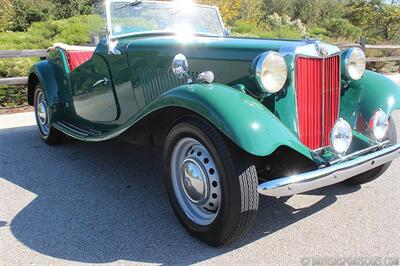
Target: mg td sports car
column 236, row 117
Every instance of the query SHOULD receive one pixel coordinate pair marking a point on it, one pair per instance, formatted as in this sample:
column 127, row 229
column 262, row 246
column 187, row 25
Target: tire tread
column 247, row 173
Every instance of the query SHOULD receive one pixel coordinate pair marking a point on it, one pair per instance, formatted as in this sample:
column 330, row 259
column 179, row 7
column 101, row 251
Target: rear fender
column 243, row 119
column 44, row 73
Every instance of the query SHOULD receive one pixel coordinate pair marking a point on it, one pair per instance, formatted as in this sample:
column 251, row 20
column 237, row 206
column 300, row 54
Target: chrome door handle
column 103, row 81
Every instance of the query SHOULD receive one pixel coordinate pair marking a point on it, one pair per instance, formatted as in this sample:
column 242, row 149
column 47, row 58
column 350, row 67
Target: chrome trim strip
column 340, row 84
column 320, row 149
column 361, row 152
column 61, row 126
column 323, row 101
column 296, row 184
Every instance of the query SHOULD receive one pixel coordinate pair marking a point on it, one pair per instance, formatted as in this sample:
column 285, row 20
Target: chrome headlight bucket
column 270, row 71
column 379, row 125
column 180, row 66
column 341, row 136
column 354, row 64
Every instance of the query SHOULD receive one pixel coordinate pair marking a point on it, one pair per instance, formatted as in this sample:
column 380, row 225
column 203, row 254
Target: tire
column 373, row 174
column 233, row 183
column 47, row 133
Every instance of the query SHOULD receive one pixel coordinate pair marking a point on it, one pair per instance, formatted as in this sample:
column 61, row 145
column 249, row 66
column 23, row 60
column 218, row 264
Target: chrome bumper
column 296, row 184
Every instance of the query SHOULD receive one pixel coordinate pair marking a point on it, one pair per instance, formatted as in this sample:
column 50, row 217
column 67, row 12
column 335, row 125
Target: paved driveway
column 105, row 203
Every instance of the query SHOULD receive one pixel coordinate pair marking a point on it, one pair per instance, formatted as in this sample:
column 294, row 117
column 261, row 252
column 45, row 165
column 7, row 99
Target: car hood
column 209, row 47
column 229, row 58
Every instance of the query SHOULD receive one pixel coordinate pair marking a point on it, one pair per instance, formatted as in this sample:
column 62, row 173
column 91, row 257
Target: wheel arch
column 43, row 73
column 153, row 128
column 284, row 161
column 241, row 118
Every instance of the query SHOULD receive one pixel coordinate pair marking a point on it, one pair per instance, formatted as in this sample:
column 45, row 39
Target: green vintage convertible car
column 236, row 117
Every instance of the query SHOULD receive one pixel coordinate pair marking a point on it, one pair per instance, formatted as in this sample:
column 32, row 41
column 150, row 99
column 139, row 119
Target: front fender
column 243, row 119
column 370, row 93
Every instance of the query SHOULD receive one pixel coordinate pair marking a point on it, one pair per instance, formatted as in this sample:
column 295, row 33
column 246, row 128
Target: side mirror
column 180, row 67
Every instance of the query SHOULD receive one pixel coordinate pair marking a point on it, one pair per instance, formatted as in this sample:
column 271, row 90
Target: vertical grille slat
column 317, row 88
column 331, row 96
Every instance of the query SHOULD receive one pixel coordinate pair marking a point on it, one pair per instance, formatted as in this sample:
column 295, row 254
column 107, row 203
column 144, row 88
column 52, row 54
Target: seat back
column 75, row 55
column 77, row 58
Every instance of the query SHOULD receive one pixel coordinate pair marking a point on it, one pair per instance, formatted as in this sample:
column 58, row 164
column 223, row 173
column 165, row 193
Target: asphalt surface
column 105, row 203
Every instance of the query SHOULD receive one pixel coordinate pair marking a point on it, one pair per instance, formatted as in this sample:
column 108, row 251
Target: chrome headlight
column 341, row 136
column 180, row 66
column 379, row 125
column 354, row 64
column 270, row 71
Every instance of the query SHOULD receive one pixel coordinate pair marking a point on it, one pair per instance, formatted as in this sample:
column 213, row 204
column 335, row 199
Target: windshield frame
column 116, row 37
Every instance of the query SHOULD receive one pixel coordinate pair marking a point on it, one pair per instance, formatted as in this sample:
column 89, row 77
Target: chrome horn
column 180, row 68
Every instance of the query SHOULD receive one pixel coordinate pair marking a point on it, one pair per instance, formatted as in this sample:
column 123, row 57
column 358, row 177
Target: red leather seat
column 77, row 58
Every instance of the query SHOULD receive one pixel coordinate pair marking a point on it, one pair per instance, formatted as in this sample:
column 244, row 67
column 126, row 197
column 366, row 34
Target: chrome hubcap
column 196, row 181
column 42, row 114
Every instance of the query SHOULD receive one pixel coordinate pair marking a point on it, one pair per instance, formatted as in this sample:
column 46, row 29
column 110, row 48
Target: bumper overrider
column 334, row 174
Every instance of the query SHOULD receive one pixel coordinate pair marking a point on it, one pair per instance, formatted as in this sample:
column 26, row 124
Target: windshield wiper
column 133, row 3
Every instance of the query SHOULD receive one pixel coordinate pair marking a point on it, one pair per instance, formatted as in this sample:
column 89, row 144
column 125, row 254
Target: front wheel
column 211, row 185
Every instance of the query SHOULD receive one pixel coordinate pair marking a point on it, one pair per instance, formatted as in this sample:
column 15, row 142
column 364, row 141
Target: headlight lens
column 341, row 136
column 271, row 72
column 379, row 125
column 354, row 64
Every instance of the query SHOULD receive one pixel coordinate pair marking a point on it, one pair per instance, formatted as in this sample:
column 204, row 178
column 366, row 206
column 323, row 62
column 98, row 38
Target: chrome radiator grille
column 318, row 96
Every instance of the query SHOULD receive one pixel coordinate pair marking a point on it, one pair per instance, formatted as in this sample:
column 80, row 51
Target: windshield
column 135, row 17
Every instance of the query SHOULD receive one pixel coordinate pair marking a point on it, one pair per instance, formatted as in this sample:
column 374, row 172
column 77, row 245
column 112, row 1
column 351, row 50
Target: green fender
column 46, row 75
column 243, row 119
column 370, row 93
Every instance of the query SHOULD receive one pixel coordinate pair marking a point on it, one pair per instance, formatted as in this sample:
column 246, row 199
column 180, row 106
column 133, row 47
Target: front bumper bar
column 296, row 184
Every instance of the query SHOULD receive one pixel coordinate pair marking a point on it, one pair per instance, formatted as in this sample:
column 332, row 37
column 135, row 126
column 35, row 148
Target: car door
column 93, row 94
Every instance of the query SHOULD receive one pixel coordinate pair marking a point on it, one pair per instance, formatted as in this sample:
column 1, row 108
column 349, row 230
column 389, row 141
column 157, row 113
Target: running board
column 75, row 131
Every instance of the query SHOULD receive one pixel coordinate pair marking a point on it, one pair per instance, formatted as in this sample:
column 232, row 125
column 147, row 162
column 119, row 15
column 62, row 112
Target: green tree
column 342, row 29
column 26, row 12
column 6, row 15
column 308, row 11
column 281, row 7
column 229, row 8
column 379, row 19
column 313, row 12
column 63, row 9
column 251, row 10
